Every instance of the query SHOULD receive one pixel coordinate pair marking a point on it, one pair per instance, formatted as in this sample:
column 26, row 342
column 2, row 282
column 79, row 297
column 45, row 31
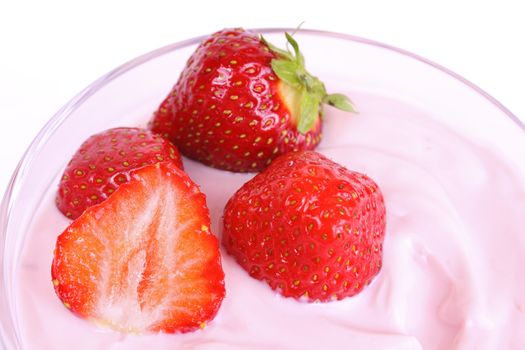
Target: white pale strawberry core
column 146, row 252
column 119, row 305
column 291, row 98
column 452, row 267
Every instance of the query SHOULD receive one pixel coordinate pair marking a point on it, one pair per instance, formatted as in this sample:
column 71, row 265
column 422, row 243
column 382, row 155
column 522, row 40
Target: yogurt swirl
column 453, row 255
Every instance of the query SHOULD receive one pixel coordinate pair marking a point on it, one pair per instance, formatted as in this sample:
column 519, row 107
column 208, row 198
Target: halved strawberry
column 144, row 260
column 103, row 162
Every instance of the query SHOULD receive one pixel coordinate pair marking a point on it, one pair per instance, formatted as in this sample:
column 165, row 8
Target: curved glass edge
column 7, row 334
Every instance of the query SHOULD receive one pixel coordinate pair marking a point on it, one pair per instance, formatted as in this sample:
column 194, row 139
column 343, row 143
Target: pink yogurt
column 453, row 256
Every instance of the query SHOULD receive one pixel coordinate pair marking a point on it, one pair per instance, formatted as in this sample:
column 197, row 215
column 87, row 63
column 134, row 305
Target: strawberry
column 104, row 161
column 144, row 260
column 308, row 227
column 240, row 102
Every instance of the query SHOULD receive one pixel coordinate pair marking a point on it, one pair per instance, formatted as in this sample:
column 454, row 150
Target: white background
column 50, row 50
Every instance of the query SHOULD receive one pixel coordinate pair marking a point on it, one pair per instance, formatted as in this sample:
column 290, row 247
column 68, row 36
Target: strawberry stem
column 290, row 68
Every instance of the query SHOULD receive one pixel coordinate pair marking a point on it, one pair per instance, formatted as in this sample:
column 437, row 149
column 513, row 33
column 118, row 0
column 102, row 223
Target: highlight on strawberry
column 240, row 102
column 310, row 228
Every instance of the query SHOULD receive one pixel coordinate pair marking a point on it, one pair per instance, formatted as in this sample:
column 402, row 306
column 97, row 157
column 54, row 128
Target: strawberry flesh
column 144, row 260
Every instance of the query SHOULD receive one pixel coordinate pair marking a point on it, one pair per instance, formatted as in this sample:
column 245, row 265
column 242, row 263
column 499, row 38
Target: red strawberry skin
column 228, row 110
column 144, row 260
column 104, row 161
column 308, row 227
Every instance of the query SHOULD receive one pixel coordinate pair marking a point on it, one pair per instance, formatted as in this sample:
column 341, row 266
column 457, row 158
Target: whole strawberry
column 240, row 102
column 103, row 162
column 308, row 227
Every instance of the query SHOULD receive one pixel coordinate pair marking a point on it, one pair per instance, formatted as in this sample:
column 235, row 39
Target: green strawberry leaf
column 340, row 101
column 308, row 112
column 285, row 54
column 286, row 70
column 304, row 91
column 298, row 55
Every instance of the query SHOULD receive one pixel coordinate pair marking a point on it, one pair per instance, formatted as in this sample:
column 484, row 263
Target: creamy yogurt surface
column 452, row 275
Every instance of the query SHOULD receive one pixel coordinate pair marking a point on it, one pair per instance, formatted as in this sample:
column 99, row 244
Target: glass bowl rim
column 63, row 113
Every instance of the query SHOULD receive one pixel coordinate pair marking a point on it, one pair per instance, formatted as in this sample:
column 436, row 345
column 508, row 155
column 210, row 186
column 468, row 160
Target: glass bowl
column 127, row 96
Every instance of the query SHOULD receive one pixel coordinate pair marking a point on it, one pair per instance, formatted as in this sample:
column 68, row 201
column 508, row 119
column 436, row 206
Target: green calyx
column 309, row 92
